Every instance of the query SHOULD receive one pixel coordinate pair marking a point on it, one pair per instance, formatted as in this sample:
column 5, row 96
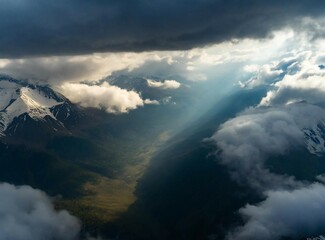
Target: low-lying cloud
column 247, row 140
column 112, row 99
column 299, row 213
column 166, row 84
column 28, row 214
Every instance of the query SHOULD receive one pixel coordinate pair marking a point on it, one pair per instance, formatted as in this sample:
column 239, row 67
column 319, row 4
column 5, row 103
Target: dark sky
column 64, row 27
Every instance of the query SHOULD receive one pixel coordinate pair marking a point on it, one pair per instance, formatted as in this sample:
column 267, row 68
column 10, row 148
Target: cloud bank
column 28, row 214
column 34, row 28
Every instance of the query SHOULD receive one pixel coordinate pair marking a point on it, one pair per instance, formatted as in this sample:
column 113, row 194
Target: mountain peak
column 20, row 99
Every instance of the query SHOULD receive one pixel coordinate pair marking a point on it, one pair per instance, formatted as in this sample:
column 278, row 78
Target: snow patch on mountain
column 18, row 99
column 315, row 139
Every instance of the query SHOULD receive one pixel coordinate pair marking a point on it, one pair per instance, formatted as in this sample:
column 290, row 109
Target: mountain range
column 116, row 171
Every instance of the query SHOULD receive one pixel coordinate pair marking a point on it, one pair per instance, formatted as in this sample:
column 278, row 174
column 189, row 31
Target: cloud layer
column 193, row 65
column 57, row 69
column 28, row 214
column 31, row 28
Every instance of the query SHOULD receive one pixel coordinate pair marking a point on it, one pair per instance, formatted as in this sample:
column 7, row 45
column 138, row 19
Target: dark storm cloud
column 73, row 27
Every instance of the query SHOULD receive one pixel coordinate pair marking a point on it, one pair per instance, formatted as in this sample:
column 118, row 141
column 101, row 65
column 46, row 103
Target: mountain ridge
column 23, row 102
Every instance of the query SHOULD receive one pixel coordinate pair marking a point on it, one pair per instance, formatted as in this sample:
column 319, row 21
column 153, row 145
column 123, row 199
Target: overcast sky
column 33, row 28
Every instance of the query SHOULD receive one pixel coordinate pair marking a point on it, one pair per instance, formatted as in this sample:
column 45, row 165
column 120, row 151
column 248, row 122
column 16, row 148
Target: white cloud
column 110, row 98
column 264, row 74
column 298, row 213
column 151, row 102
column 60, row 69
column 294, row 78
column 247, row 140
column 28, row 214
column 270, row 73
column 306, row 85
column 166, row 84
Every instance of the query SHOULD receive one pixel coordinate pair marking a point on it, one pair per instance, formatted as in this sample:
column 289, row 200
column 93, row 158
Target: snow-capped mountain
column 315, row 139
column 22, row 104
